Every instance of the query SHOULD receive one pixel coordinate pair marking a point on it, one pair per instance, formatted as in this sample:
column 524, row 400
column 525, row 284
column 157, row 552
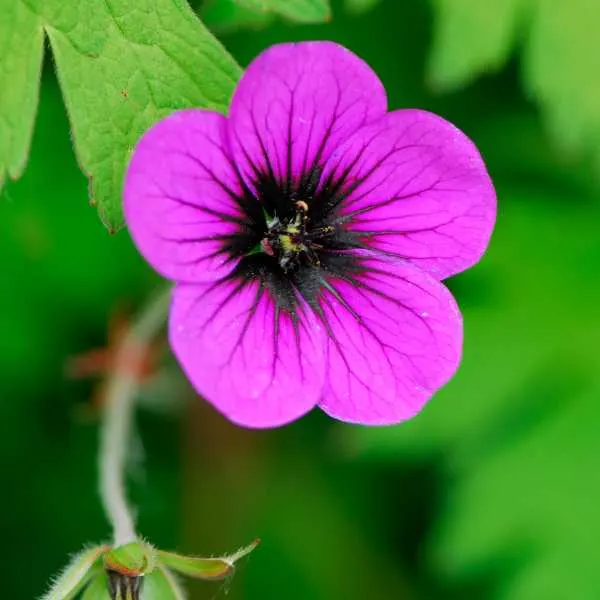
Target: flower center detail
column 290, row 241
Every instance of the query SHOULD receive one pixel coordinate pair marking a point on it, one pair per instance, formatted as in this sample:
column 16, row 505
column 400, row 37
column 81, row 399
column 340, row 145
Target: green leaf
column 21, row 48
column 162, row 585
column 303, row 11
column 560, row 69
column 133, row 559
column 228, row 15
column 471, row 37
column 204, row 568
column 517, row 429
column 360, row 6
column 538, row 497
column 122, row 65
column 79, row 571
column 560, row 57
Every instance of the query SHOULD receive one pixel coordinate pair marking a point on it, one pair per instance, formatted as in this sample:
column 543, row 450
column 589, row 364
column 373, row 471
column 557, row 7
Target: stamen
column 327, row 231
column 291, row 241
column 266, row 247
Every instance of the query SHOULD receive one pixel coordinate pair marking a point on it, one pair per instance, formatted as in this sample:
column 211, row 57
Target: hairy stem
column 122, row 390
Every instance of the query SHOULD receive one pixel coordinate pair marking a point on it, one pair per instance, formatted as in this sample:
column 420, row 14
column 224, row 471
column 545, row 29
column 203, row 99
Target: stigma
column 288, row 240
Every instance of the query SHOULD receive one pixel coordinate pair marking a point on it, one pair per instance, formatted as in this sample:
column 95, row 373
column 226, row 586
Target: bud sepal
column 137, row 571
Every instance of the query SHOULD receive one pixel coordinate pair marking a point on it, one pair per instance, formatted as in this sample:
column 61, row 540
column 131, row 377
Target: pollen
column 288, row 244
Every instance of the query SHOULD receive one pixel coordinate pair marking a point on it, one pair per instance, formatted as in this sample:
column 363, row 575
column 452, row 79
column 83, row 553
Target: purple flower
column 307, row 234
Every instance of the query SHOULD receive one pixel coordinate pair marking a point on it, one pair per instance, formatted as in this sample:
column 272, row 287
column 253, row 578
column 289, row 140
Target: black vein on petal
column 311, row 280
column 310, row 285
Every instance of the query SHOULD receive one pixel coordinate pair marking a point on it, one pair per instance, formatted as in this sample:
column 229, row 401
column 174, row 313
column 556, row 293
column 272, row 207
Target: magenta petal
column 256, row 365
column 296, row 103
column 180, row 196
column 417, row 188
column 395, row 337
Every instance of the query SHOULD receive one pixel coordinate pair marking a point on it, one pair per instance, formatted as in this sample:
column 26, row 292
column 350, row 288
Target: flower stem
column 122, row 389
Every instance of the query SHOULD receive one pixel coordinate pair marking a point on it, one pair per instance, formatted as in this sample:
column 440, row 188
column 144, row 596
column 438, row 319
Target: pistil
column 289, row 241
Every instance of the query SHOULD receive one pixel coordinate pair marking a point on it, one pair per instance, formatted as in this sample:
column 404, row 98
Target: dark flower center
column 292, row 242
column 294, row 238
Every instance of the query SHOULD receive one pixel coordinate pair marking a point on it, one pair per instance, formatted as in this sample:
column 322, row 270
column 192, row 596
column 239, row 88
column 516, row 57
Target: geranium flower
column 307, row 233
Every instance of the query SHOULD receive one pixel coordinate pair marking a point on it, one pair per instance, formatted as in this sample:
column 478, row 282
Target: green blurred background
column 493, row 492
